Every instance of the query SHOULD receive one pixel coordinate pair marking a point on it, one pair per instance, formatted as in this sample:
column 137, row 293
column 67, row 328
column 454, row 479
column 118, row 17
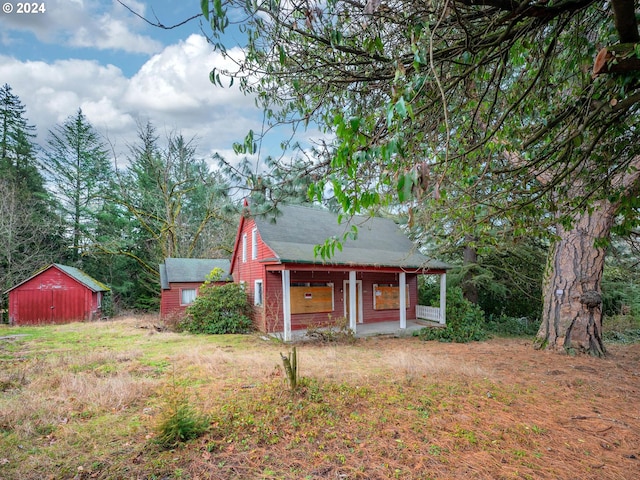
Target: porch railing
column 428, row 313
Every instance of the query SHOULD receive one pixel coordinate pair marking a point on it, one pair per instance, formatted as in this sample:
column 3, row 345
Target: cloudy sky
column 98, row 56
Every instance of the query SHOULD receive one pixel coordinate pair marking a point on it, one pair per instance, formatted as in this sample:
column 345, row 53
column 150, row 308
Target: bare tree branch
column 158, row 23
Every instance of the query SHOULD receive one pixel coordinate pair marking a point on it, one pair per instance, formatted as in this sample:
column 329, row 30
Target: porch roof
column 379, row 243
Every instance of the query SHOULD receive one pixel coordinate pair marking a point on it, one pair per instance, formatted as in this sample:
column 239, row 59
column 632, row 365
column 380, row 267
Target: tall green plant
column 179, row 420
column 290, row 362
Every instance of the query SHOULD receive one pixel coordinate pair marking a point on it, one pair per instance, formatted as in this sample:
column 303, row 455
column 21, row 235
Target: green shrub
column 218, row 309
column 511, row 326
column 465, row 321
column 508, row 279
column 621, row 329
column 620, row 291
column 180, row 422
column 108, row 309
column 628, row 336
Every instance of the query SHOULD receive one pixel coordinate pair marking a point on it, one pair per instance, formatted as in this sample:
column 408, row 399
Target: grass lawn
column 84, row 401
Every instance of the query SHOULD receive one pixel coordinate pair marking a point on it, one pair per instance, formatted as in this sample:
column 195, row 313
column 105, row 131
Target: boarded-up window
column 311, row 298
column 387, row 297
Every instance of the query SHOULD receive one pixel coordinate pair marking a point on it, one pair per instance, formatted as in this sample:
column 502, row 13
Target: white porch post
column 403, row 299
column 286, row 303
column 352, row 301
column 443, row 299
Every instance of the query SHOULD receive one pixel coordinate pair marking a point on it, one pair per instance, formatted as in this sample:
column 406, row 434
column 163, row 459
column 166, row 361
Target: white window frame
column 258, row 293
column 244, row 248
column 183, row 290
column 254, row 244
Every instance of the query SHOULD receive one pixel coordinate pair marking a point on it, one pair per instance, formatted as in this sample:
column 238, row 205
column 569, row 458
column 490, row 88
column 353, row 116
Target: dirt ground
column 84, row 401
column 586, row 409
column 486, row 410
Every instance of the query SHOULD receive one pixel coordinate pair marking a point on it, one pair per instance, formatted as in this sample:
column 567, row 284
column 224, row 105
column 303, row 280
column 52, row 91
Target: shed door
column 68, row 304
column 34, row 306
column 51, row 305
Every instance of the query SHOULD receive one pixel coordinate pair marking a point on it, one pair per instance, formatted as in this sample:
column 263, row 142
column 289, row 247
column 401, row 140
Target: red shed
column 181, row 278
column 56, row 294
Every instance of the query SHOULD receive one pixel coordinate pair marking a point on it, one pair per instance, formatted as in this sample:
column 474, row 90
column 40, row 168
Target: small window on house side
column 244, row 247
column 257, row 293
column 254, row 244
column 99, row 299
column 187, row 296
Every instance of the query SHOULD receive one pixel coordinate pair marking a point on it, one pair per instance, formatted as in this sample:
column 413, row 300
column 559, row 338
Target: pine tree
column 17, row 150
column 77, row 162
column 28, row 225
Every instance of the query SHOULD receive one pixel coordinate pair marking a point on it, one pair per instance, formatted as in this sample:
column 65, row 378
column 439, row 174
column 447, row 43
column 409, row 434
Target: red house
column 373, row 278
column 56, row 294
column 181, row 278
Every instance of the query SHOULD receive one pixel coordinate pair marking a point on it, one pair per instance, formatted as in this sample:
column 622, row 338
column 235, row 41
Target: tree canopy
column 498, row 89
column 517, row 111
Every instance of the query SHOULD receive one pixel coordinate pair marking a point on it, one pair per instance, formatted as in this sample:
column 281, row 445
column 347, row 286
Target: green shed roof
column 83, row 278
column 74, row 273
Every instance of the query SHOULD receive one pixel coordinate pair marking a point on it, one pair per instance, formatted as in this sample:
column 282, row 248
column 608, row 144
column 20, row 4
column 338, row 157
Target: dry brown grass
column 82, row 401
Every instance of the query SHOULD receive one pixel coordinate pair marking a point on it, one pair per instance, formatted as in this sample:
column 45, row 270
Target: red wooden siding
column 170, row 299
column 52, row 297
column 249, row 271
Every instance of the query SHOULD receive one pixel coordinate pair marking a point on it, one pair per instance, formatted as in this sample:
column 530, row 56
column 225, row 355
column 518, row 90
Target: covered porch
column 410, row 317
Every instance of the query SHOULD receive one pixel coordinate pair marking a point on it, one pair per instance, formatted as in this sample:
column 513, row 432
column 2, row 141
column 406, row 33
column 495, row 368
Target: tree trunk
column 572, row 311
column 470, row 259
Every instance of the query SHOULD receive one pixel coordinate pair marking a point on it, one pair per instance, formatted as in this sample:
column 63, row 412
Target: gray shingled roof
column 185, row 270
column 380, row 241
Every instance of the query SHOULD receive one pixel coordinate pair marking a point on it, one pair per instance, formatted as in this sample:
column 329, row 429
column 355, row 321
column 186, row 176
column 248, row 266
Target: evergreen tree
column 28, row 226
column 13, row 126
column 168, row 203
column 17, row 151
column 78, row 165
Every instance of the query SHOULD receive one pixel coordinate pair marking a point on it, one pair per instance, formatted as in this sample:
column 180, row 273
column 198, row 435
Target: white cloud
column 172, row 90
column 107, row 32
column 84, row 24
column 177, row 80
column 53, row 91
